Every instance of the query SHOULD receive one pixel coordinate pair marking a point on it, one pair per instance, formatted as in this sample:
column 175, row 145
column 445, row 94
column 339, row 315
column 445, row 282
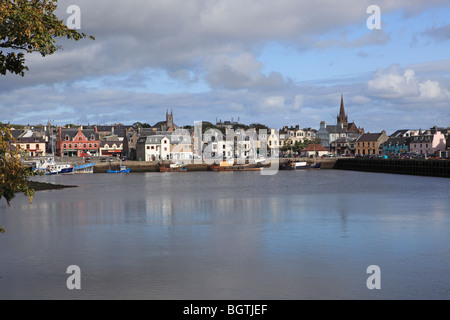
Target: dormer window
column 67, row 138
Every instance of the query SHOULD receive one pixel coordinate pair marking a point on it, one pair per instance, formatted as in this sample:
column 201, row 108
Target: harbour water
column 234, row 235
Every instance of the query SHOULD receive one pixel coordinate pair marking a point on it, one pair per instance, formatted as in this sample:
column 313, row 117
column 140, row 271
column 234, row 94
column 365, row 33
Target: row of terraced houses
column 167, row 141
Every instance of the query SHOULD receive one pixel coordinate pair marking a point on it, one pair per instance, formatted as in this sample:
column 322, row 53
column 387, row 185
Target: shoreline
column 42, row 186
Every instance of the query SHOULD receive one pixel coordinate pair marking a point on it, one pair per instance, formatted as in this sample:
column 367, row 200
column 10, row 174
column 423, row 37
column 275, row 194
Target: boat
column 173, row 167
column 59, row 169
column 296, row 165
column 122, row 169
column 225, row 166
column 85, row 168
column 51, row 167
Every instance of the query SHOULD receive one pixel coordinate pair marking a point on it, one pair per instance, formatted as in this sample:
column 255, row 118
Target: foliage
column 14, row 175
column 259, row 126
column 208, row 125
column 28, row 26
column 299, row 146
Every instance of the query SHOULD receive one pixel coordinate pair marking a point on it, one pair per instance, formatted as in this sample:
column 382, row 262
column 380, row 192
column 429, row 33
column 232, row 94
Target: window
column 28, row 146
column 84, row 145
column 37, row 146
column 80, row 139
column 70, row 146
column 64, row 146
column 76, row 146
column 165, row 149
column 90, row 146
column 66, row 138
column 153, row 147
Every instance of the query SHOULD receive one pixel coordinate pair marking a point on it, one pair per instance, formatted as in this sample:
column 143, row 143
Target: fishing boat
column 50, row 167
column 85, row 168
column 59, row 169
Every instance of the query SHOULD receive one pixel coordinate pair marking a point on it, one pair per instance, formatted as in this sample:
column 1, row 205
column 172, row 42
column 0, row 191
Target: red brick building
column 77, row 142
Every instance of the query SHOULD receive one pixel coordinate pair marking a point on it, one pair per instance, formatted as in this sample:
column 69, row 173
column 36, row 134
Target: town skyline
column 280, row 63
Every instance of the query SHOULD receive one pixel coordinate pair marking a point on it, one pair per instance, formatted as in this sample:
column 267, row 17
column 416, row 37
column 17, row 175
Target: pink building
column 428, row 142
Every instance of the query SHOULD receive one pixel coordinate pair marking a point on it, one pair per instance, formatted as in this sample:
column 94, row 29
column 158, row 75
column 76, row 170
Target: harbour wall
column 420, row 167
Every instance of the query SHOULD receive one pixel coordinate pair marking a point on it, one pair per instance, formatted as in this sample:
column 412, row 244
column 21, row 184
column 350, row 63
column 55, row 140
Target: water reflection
column 234, row 236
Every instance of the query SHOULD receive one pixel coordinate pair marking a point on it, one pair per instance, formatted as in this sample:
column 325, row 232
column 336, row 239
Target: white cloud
column 392, row 83
column 298, row 101
column 240, row 71
column 432, row 90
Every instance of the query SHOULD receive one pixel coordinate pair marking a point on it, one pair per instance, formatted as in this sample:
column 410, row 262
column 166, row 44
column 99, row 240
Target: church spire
column 342, row 111
column 342, row 117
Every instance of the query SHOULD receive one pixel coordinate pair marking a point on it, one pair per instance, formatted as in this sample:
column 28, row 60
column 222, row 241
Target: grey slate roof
column 369, row 137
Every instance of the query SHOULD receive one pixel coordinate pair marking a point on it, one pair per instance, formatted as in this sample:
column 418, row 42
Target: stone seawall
column 428, row 167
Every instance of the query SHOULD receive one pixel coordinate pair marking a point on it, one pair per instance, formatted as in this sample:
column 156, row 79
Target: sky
column 283, row 62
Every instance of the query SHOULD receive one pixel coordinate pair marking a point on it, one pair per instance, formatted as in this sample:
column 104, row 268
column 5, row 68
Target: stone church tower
column 169, row 119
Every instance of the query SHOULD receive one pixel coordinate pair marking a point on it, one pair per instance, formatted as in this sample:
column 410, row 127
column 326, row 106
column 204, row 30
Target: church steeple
column 342, row 111
column 342, row 117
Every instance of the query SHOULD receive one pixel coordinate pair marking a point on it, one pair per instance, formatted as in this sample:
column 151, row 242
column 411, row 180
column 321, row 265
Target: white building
column 164, row 147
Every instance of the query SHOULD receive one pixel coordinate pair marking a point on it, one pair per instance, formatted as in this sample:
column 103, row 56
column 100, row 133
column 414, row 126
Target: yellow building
column 369, row 143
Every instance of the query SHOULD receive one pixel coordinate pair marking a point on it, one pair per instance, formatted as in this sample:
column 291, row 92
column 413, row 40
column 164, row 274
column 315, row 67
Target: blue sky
column 283, row 62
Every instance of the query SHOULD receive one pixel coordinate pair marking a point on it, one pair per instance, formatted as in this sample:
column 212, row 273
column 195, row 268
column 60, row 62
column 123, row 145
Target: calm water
column 237, row 235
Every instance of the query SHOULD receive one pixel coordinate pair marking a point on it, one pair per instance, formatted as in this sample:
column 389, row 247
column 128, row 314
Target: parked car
column 87, row 159
column 103, row 159
column 111, row 159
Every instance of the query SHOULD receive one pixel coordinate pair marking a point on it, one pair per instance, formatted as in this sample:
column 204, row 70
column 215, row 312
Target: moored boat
column 173, row 167
column 51, row 167
column 85, row 168
column 122, row 169
column 236, row 167
column 296, row 165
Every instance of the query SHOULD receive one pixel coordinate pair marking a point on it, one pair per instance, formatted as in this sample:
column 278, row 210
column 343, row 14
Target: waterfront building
column 129, row 144
column 294, row 134
column 77, row 142
column 343, row 146
column 329, row 133
column 34, row 147
column 369, row 143
column 314, row 150
column 396, row 145
column 428, row 142
column 276, row 141
column 111, row 148
column 164, row 147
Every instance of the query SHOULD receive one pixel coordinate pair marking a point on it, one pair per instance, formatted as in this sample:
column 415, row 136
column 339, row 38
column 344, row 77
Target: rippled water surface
column 231, row 235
